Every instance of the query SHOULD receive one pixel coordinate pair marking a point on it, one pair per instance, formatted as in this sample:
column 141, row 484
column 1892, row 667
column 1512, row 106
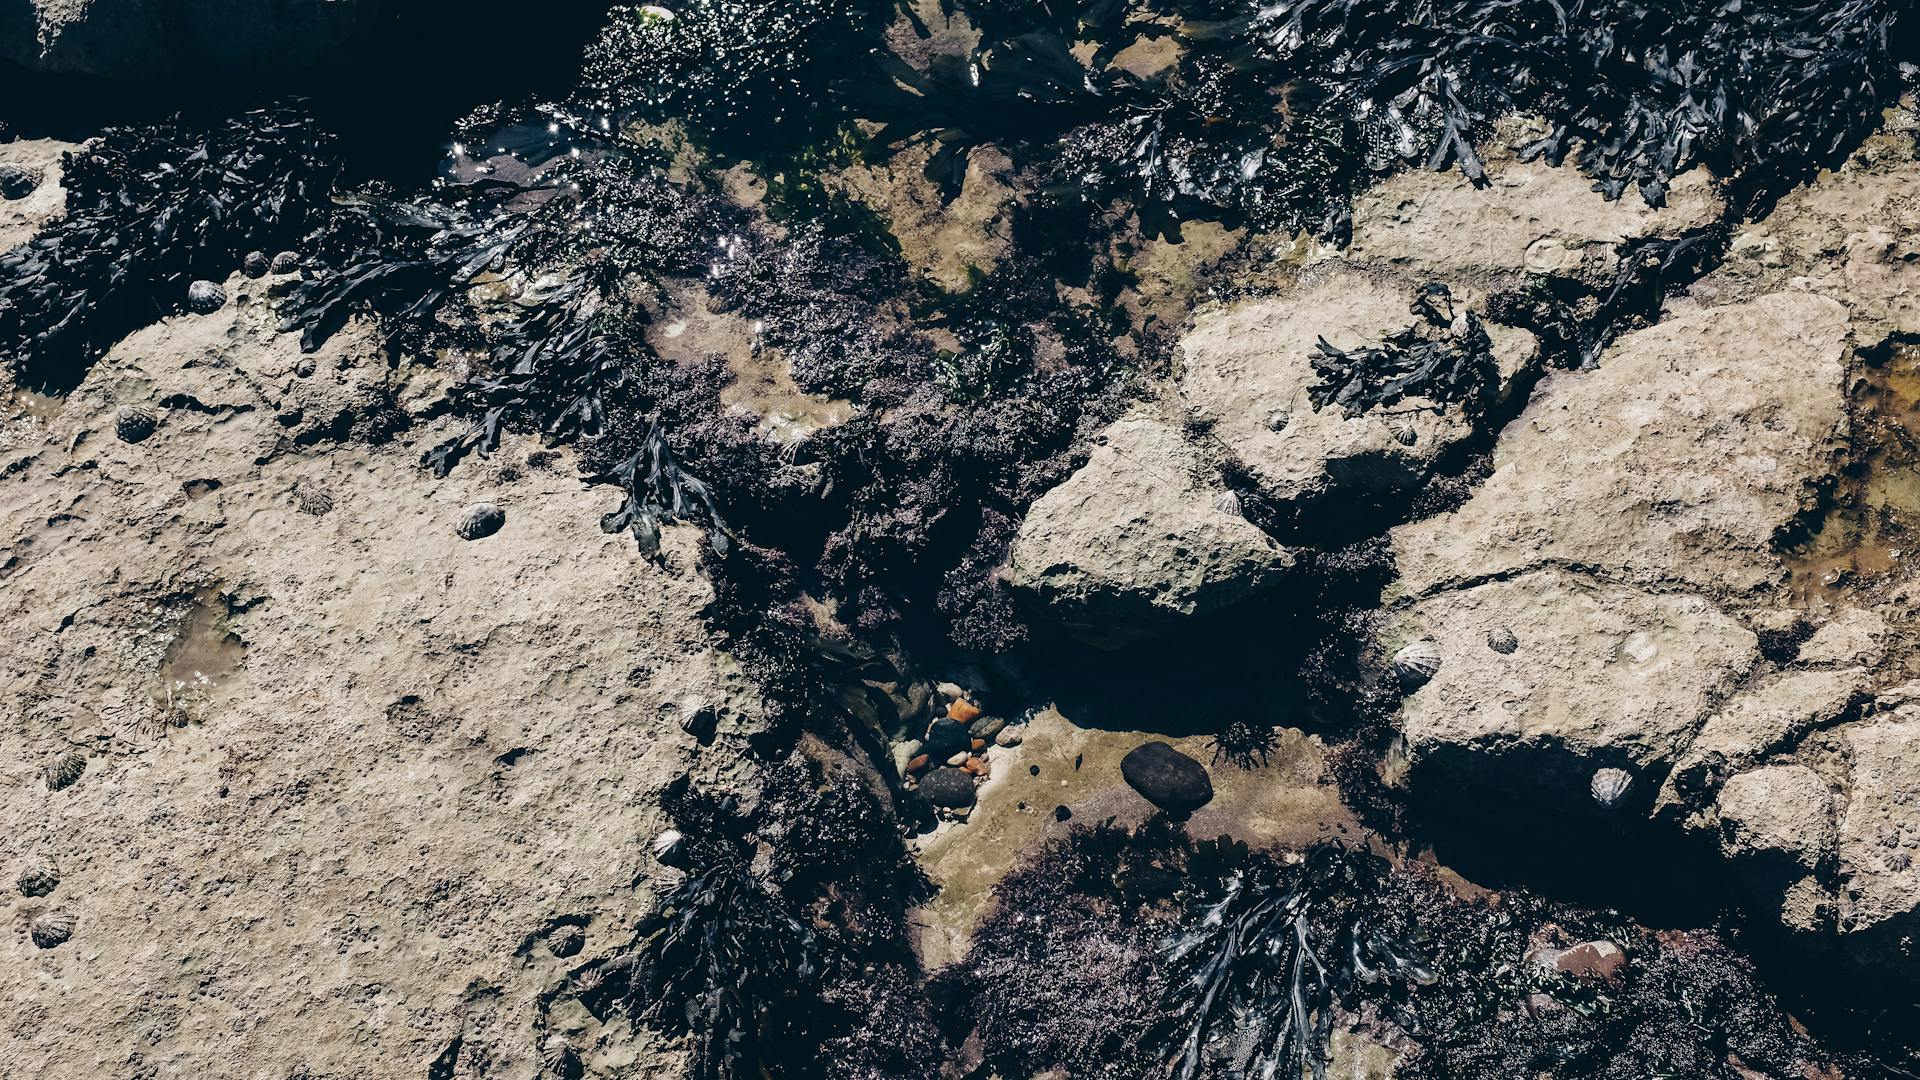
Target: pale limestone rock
column 1139, row 537
column 1675, row 463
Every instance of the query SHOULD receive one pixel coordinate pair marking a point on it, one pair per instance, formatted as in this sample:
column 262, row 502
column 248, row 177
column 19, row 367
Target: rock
column 945, row 736
column 1594, row 962
column 17, row 181
column 133, row 39
column 1759, row 721
column 23, row 213
column 479, row 521
column 1777, row 829
column 1855, row 636
column 1167, row 778
column 1247, row 370
column 1611, row 677
column 986, row 727
column 1132, row 541
column 963, row 710
column 918, row 764
column 1530, row 216
column 1676, row 462
column 1879, row 898
column 947, row 787
column 1009, row 736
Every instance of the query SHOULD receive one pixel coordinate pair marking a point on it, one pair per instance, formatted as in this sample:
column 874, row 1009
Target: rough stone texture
column 21, row 218
column 343, row 771
column 140, row 39
column 1674, row 463
column 1766, row 718
column 1855, row 636
column 1605, row 676
column 1243, row 365
column 1852, row 236
column 1879, row 839
column 1135, row 537
column 1777, row 827
column 1531, row 216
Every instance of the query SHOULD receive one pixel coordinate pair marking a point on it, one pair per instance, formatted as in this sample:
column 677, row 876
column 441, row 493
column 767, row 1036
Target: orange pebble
column 918, row 764
column 963, row 710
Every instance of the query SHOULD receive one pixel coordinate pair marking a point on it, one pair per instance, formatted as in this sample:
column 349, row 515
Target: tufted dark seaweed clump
column 1438, row 358
column 151, row 209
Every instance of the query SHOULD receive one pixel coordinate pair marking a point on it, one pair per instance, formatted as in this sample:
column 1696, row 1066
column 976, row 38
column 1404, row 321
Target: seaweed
column 657, row 490
column 1261, row 956
column 1245, row 743
column 1441, row 358
column 150, row 209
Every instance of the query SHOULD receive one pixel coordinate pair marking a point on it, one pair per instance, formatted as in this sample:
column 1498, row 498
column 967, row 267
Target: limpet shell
column 1402, row 430
column 285, row 263
column 39, row 877
column 479, row 521
column 18, row 181
column 51, row 930
column 566, row 941
column 670, row 848
column 310, row 497
column 557, row 1053
column 205, row 297
column 66, row 771
column 1278, row 419
column 1501, row 640
column 1609, row 786
column 1417, row 662
column 134, row 423
column 255, row 265
column 1227, row 502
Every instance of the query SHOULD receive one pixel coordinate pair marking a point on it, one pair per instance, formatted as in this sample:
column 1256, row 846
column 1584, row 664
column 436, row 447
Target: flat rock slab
column 1675, row 463
column 1605, row 676
column 1246, row 371
column 1879, row 850
column 1142, row 534
column 1530, row 217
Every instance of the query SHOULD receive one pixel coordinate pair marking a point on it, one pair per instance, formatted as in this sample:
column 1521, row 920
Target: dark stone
column 1167, row 778
column 945, row 739
column 17, row 182
column 1061, row 813
column 950, row 788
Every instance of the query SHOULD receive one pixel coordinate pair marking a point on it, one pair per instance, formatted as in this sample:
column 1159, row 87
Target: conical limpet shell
column 64, row 772
column 1609, row 786
column 1403, row 430
column 1501, row 640
column 557, row 1053
column 479, row 521
column 1416, row 663
column 670, row 848
column 286, row 262
column 1227, row 502
column 51, row 930
column 310, row 497
column 38, row 877
column 205, row 297
column 565, row 941
column 133, row 423
column 255, row 265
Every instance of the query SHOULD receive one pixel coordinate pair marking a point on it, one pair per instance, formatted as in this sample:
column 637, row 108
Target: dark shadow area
column 392, row 94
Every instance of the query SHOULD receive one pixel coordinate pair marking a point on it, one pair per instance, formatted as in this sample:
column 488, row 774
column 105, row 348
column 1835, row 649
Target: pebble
column 1167, row 778
column 1009, row 736
column 987, row 727
column 963, row 710
column 918, row 764
column 950, row 691
column 959, row 759
column 948, row 788
column 1061, row 813
column 946, row 736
